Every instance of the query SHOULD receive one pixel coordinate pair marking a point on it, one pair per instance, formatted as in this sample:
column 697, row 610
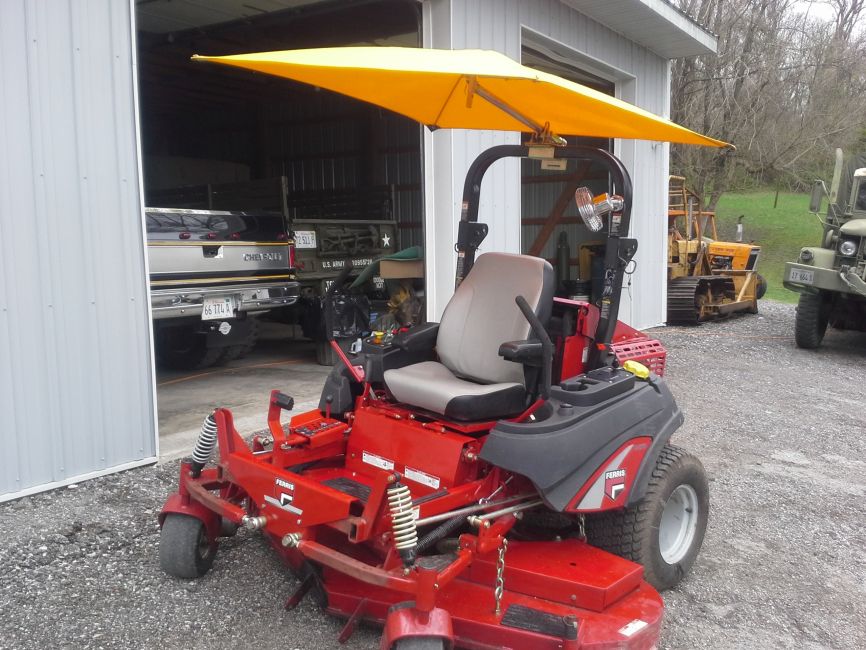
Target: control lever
column 546, row 344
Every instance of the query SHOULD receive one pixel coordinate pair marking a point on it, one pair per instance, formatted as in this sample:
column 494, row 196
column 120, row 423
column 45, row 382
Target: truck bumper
column 183, row 303
column 804, row 278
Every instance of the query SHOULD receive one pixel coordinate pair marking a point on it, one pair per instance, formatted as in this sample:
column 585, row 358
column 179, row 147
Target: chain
column 500, row 576
column 581, row 527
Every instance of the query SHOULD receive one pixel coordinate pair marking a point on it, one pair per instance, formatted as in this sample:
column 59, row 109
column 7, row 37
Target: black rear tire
column 636, row 533
column 811, row 322
column 325, row 354
column 184, row 548
column 239, row 351
column 185, row 348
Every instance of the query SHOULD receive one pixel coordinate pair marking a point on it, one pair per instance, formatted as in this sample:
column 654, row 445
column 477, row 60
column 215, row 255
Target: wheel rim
column 203, row 546
column 678, row 524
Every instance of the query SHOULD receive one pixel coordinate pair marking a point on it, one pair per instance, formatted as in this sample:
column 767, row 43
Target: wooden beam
column 555, row 216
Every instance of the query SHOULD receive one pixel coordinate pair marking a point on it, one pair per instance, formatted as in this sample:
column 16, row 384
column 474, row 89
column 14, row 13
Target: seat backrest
column 482, row 315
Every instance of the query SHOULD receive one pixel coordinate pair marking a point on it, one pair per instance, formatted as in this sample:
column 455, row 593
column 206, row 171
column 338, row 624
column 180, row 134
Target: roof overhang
column 655, row 24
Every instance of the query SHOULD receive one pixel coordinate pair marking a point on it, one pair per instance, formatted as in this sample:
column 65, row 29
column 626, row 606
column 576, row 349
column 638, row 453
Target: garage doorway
column 550, row 225
column 219, row 138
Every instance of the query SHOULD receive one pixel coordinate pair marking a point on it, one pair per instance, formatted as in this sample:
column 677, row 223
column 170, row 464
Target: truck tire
column 663, row 532
column 325, row 354
column 184, row 348
column 811, row 321
column 239, row 351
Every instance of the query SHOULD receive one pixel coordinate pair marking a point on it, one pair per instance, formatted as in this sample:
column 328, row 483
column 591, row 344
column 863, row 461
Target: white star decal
column 386, row 241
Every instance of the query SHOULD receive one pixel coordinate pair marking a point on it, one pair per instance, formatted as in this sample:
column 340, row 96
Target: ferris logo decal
column 614, row 483
column 284, row 500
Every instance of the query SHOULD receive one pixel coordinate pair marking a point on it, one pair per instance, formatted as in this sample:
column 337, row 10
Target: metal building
column 76, row 371
column 77, row 386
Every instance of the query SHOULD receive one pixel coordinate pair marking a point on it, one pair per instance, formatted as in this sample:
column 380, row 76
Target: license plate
column 218, row 308
column 305, row 239
column 799, row 275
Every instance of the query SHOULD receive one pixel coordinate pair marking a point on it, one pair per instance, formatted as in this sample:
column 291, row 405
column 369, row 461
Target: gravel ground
column 780, row 431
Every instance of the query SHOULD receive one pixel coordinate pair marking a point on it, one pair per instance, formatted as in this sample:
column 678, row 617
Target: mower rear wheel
column 663, row 532
column 185, row 551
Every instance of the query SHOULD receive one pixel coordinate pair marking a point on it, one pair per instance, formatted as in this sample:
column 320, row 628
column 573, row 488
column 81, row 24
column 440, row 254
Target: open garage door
column 344, row 175
column 550, row 225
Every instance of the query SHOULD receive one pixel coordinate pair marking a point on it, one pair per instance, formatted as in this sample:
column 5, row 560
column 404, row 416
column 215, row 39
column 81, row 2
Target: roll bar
column 619, row 249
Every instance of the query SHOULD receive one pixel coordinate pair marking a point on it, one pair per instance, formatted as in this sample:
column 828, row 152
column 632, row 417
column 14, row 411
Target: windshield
column 860, row 201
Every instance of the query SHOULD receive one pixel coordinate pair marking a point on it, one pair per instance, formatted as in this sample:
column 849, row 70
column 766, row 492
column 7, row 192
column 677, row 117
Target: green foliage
column 780, row 231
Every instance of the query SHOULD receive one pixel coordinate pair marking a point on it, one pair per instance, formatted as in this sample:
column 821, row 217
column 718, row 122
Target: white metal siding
column 76, row 377
column 644, row 81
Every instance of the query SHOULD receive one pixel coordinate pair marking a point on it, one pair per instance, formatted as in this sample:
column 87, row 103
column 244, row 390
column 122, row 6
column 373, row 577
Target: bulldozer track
column 688, row 297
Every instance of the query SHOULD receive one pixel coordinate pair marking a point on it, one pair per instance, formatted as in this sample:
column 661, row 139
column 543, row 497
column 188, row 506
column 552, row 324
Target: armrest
column 418, row 338
column 525, row 352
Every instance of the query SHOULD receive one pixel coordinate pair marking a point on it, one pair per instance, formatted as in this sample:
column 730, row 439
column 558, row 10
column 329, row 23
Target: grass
column 780, row 231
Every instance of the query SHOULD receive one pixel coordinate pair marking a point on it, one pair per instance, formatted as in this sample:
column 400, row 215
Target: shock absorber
column 204, row 445
column 403, row 526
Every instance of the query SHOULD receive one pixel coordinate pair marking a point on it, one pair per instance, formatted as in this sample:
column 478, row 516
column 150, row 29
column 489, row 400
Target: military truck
column 831, row 278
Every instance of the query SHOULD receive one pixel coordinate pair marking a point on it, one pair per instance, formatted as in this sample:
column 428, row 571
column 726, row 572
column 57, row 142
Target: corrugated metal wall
column 76, row 380
column 319, row 144
column 498, row 25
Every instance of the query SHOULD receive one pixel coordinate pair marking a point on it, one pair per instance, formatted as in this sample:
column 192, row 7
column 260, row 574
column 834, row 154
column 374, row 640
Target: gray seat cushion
column 431, row 386
column 472, row 382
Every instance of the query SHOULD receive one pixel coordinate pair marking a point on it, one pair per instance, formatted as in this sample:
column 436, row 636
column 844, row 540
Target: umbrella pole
column 542, row 132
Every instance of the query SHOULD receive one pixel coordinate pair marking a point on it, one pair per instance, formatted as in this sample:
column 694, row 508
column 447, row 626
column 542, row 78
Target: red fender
column 183, row 505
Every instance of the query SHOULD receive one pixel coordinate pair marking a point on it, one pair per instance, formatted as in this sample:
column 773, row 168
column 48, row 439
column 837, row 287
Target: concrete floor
column 280, row 360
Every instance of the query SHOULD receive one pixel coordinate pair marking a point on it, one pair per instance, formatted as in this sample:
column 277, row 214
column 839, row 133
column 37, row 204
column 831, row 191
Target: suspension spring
column 204, row 446
column 403, row 526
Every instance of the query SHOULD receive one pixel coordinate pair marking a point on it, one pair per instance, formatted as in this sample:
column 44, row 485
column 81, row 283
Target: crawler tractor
column 707, row 278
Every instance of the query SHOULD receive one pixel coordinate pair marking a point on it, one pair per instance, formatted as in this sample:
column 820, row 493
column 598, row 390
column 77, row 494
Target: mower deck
column 591, row 600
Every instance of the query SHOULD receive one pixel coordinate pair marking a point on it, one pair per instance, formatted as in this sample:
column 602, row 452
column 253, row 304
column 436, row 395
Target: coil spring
column 403, row 526
column 205, row 444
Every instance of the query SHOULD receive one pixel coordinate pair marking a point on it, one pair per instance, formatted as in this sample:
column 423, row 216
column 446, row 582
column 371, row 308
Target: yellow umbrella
column 466, row 89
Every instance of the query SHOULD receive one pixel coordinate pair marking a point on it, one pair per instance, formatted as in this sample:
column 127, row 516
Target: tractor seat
column 471, row 381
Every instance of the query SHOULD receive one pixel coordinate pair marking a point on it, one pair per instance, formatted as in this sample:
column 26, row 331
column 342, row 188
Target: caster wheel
column 184, row 548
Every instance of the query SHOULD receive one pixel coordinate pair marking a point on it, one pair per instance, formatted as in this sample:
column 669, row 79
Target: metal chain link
column 500, row 576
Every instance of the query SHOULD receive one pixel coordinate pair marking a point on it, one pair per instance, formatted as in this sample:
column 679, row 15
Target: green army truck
column 831, row 278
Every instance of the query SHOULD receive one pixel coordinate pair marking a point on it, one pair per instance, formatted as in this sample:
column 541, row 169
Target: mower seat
column 471, row 381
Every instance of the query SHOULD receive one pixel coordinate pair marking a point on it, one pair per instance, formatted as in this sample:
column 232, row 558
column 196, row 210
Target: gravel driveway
column 780, row 430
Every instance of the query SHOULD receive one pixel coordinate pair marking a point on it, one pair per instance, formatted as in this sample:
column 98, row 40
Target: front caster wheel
column 184, row 548
column 663, row 532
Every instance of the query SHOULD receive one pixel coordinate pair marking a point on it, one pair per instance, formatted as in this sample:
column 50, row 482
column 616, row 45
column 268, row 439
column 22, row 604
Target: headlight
column 806, row 256
column 848, row 248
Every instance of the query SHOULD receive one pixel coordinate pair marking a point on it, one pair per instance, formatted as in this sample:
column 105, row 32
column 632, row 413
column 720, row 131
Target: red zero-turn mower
column 501, row 479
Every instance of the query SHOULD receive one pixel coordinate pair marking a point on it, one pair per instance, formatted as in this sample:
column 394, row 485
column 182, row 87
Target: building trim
column 656, row 24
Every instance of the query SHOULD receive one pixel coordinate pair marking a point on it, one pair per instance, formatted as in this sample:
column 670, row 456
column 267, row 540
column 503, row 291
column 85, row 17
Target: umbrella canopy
column 466, row 89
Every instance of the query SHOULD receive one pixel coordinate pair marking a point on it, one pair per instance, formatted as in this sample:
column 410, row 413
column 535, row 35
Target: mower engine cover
column 562, row 452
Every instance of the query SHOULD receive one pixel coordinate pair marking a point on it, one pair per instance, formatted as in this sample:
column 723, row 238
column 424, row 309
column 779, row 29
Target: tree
column 785, row 88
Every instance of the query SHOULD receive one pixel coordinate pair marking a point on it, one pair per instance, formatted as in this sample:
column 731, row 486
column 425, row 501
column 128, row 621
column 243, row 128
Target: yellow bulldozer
column 707, row 278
